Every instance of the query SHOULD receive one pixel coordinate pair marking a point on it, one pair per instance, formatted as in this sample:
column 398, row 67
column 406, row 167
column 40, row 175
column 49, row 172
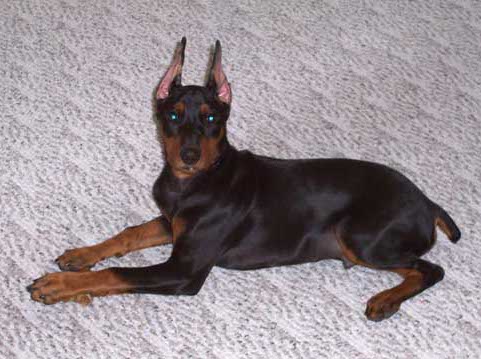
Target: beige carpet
column 398, row 82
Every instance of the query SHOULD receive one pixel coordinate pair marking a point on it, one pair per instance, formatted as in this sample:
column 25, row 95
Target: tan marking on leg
column 78, row 286
column 348, row 255
column 146, row 235
column 388, row 302
column 178, row 227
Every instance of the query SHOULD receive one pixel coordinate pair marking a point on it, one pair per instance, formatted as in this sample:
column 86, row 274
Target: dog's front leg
column 153, row 233
column 193, row 256
column 165, row 278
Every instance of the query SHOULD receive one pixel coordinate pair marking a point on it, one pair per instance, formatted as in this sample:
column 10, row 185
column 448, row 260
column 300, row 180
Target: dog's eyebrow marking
column 204, row 109
column 180, row 107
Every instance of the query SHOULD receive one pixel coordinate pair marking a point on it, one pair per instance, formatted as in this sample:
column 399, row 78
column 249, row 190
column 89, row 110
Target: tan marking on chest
column 178, row 227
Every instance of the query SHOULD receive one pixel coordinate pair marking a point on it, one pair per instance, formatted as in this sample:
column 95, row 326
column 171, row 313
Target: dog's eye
column 210, row 118
column 173, row 116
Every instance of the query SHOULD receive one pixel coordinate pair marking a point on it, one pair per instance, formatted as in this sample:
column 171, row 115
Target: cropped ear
column 217, row 79
column 173, row 76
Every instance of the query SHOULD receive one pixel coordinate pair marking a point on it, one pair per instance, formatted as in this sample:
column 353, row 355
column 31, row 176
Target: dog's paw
column 381, row 307
column 58, row 287
column 76, row 260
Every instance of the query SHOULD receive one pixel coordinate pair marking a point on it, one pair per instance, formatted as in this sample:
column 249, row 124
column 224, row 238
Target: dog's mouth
column 188, row 168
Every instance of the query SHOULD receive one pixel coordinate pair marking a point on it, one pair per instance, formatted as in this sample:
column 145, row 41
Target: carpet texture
column 397, row 82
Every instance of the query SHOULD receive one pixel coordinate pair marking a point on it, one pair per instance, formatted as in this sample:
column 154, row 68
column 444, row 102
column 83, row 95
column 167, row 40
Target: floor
column 397, row 82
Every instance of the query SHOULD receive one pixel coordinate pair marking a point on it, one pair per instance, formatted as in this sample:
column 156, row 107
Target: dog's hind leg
column 418, row 276
column 153, row 233
column 395, row 248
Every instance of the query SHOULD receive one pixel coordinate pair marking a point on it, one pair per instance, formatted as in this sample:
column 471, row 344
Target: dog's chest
column 166, row 197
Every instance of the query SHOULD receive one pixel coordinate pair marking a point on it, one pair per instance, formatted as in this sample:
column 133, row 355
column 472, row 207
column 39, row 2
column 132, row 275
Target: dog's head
column 193, row 119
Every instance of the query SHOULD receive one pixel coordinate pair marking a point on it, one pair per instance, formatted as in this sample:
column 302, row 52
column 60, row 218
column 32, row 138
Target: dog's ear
column 217, row 79
column 173, row 76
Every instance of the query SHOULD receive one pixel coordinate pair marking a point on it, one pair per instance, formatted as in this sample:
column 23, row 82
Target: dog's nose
column 190, row 155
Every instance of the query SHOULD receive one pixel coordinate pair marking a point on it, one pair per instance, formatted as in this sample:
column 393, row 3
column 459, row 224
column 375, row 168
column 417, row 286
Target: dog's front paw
column 75, row 260
column 381, row 307
column 58, row 287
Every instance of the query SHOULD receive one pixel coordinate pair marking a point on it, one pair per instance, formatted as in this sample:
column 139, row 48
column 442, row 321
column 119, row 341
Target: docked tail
column 446, row 224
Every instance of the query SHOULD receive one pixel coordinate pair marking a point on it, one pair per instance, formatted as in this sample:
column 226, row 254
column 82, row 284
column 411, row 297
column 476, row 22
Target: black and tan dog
column 233, row 209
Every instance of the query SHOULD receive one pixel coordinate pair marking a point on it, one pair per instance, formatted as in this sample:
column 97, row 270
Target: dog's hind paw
column 380, row 307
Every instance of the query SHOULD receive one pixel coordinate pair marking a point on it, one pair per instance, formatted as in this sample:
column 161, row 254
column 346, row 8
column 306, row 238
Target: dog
column 237, row 210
